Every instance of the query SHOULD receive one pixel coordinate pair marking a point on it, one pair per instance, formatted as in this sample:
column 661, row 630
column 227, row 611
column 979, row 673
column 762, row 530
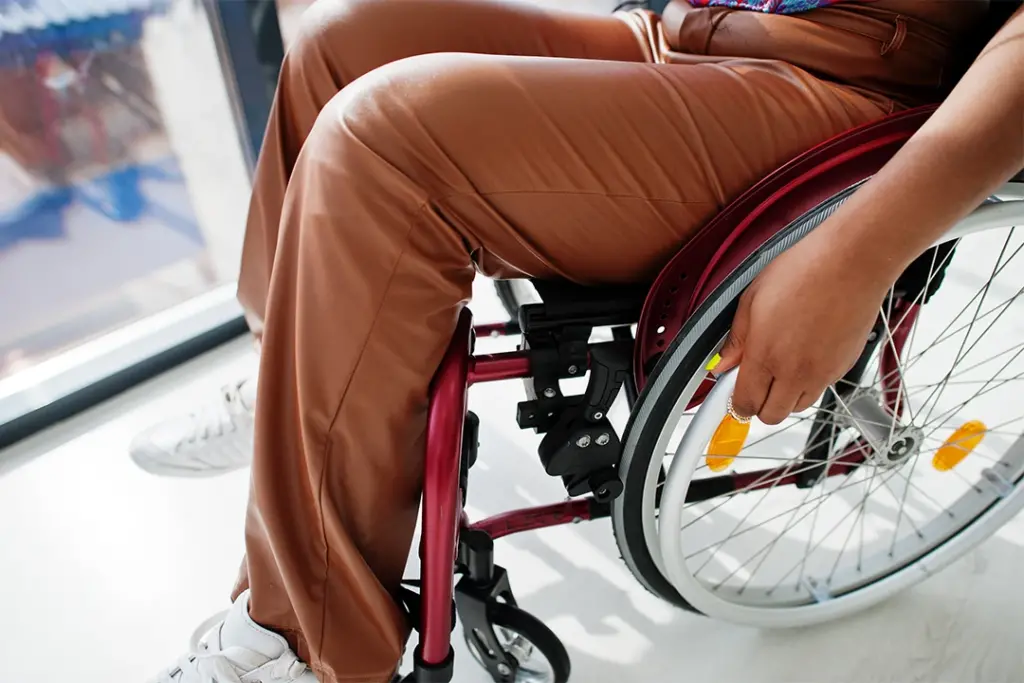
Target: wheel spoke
column 870, row 507
column 939, row 337
column 833, row 528
column 716, row 544
column 764, row 480
column 981, row 392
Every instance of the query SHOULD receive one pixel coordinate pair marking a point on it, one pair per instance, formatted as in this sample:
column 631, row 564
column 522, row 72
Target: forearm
column 971, row 145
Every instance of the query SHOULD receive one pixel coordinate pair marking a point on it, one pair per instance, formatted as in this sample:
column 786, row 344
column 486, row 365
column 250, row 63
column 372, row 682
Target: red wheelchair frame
column 699, row 267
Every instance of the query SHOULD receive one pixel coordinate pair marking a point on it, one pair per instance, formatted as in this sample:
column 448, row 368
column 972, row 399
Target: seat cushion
column 562, row 298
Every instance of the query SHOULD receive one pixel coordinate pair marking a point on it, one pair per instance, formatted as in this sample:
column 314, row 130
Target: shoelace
column 216, row 421
column 214, row 667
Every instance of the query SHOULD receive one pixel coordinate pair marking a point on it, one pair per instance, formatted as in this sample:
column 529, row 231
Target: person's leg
column 340, row 40
column 412, row 177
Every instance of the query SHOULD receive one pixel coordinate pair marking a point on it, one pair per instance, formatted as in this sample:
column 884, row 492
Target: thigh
column 342, row 40
column 589, row 171
column 354, row 37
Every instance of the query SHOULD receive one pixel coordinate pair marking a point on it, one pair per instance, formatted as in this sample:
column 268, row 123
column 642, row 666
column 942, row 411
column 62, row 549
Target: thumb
column 732, row 350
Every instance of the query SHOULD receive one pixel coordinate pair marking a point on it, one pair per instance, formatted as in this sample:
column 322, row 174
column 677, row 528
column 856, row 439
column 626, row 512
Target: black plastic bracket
column 923, row 277
column 481, row 585
column 427, row 673
column 470, row 449
column 582, row 447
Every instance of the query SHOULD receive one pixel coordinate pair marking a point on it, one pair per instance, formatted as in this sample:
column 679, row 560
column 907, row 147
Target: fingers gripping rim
column 669, row 388
column 699, row 431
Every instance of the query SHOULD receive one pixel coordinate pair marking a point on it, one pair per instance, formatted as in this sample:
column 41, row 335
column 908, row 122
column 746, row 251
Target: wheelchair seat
column 602, row 305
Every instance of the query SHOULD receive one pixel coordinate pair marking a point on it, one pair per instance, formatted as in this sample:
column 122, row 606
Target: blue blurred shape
column 28, row 27
column 42, row 217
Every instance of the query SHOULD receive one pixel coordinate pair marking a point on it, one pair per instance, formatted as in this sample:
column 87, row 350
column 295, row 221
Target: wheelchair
column 900, row 468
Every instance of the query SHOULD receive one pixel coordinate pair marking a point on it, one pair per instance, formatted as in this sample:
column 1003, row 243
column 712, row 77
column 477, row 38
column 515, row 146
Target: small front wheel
column 536, row 653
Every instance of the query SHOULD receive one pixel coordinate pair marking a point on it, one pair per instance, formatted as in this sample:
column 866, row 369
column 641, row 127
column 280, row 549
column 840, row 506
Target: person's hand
column 799, row 327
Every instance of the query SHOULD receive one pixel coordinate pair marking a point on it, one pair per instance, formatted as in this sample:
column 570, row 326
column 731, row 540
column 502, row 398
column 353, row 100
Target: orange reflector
column 959, row 445
column 726, row 444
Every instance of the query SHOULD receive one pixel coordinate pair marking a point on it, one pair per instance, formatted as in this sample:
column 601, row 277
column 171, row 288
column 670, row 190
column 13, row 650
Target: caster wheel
column 538, row 653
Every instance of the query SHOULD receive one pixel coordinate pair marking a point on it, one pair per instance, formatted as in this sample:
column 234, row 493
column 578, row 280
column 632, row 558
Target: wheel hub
column 891, row 444
column 905, row 444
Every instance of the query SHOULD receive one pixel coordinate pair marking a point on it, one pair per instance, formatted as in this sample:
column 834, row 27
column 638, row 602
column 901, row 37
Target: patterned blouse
column 770, row 6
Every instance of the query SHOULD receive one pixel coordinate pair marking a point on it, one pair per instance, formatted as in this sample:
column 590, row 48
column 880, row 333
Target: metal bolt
column 872, row 336
column 577, row 520
column 583, row 441
column 603, row 439
column 503, row 669
column 573, row 369
column 549, row 393
column 598, row 415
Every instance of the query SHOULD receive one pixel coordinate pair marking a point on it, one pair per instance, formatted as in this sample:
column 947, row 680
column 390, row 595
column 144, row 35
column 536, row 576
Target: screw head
column 573, row 369
column 549, row 393
column 583, row 441
column 504, row 669
column 603, row 439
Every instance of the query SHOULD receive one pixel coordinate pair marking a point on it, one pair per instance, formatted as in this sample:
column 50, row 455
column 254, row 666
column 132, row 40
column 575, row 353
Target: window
column 124, row 184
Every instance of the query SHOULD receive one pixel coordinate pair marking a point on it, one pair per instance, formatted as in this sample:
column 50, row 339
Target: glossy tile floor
column 105, row 571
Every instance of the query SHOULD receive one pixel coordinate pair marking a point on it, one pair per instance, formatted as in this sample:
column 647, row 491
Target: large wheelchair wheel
column 910, row 461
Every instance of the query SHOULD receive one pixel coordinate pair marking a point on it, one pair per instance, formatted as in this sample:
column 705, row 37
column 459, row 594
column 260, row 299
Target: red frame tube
column 499, row 366
column 531, row 519
column 443, row 513
column 442, row 500
column 901, row 322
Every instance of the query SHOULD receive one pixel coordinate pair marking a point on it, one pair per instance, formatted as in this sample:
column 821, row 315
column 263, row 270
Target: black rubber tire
column 683, row 359
column 502, row 615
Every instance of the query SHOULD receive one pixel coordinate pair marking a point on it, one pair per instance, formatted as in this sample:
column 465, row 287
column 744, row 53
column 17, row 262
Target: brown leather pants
column 414, row 143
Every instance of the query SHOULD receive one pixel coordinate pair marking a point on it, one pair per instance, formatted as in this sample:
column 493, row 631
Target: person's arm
column 971, row 145
column 802, row 322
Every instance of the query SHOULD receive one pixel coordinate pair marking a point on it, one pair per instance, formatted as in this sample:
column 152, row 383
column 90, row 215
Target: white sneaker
column 215, row 440
column 237, row 650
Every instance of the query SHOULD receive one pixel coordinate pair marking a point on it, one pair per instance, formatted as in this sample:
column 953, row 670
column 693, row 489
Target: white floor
column 104, row 570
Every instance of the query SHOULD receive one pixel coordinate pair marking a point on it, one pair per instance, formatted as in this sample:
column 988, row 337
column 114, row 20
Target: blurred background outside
column 128, row 132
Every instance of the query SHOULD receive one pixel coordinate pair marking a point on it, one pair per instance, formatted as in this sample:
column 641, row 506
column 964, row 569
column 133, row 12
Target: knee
column 410, row 111
column 435, row 92
column 347, row 37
